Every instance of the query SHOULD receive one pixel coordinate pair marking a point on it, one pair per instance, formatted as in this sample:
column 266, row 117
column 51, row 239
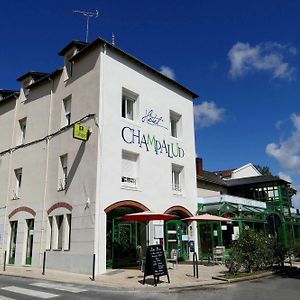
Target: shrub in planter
column 296, row 248
column 254, row 251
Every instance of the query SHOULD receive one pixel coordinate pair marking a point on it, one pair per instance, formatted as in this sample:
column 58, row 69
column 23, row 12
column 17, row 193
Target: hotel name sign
column 150, row 142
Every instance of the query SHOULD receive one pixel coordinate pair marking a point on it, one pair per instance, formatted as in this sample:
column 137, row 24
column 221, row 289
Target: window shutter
column 129, row 165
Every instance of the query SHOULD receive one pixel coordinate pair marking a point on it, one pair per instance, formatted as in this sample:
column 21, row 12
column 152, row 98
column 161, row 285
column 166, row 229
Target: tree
column 264, row 170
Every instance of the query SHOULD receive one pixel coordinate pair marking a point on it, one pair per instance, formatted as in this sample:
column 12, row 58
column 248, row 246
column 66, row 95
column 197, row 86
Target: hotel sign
column 81, row 132
column 150, row 142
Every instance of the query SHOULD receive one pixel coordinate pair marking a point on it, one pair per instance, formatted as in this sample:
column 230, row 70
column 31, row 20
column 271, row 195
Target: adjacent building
column 64, row 195
column 261, row 202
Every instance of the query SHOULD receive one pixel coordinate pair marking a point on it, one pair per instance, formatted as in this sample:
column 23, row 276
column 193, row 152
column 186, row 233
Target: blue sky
column 241, row 57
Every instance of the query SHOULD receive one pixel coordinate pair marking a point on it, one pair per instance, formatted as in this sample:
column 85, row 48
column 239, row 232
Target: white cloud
column 296, row 198
column 167, row 71
column 267, row 57
column 287, row 152
column 208, row 113
column 285, row 176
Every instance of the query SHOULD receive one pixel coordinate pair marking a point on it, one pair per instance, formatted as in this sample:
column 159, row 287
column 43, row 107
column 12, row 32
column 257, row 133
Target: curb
column 245, row 278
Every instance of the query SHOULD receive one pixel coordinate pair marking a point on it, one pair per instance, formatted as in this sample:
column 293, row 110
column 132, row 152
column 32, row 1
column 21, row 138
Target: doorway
column 177, row 238
column 123, row 239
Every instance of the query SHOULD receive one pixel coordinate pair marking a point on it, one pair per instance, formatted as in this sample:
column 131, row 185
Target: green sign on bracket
column 81, row 132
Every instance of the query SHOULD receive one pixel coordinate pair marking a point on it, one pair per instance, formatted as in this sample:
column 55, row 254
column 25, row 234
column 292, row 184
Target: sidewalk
column 181, row 276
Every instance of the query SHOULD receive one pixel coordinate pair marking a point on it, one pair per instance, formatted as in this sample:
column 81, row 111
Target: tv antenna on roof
column 88, row 15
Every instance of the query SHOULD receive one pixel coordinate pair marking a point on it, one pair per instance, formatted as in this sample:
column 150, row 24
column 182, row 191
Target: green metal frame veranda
column 253, row 217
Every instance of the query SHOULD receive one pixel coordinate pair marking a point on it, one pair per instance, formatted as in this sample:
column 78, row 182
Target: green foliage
column 264, row 170
column 254, row 251
column 296, row 248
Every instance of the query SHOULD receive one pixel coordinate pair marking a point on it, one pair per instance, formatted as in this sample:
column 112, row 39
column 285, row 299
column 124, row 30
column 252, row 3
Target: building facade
column 66, row 196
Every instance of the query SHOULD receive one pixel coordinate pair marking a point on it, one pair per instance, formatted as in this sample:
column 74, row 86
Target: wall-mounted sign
column 153, row 119
column 81, row 132
column 148, row 142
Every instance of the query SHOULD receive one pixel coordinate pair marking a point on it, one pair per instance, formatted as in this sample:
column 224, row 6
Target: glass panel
column 29, row 246
column 13, row 241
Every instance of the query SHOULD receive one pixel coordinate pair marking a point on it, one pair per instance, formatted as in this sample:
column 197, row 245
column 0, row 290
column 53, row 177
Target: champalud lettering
column 150, row 142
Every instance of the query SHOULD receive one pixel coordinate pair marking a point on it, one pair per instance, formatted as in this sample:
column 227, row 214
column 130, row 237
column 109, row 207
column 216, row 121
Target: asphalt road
column 283, row 287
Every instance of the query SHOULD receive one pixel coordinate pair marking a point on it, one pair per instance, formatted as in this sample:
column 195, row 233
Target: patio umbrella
column 147, row 216
column 207, row 218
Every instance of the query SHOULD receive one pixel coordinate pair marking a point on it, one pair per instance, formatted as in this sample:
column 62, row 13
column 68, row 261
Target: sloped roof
column 100, row 41
column 254, row 180
column 211, row 178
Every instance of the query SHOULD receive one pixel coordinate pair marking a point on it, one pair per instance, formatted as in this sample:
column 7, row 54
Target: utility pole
column 88, row 15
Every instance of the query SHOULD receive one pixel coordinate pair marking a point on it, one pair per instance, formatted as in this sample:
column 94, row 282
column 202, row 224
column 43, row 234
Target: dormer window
column 26, row 83
column 69, row 65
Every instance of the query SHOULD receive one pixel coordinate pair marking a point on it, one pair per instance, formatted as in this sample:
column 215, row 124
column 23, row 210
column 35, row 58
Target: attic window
column 69, row 65
column 26, row 83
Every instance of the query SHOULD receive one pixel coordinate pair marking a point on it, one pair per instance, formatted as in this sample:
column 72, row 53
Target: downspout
column 46, row 171
column 9, row 179
column 99, row 162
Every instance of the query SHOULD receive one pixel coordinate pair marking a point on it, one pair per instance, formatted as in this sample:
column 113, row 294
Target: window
column 18, row 183
column 177, row 178
column 175, row 122
column 69, row 66
column 129, row 169
column 22, row 131
column 60, row 231
column 66, row 112
column 128, row 104
column 62, row 172
column 49, row 233
column 59, row 234
column 25, row 85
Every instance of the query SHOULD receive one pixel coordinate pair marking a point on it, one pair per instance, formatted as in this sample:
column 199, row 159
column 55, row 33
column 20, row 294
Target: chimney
column 199, row 166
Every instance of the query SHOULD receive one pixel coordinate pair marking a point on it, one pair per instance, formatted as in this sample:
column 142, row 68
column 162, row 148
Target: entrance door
column 29, row 244
column 13, row 241
column 209, row 237
column 125, row 241
column 176, row 238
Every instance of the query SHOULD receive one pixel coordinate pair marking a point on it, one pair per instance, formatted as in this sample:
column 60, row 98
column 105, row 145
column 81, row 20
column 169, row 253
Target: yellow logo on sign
column 80, row 132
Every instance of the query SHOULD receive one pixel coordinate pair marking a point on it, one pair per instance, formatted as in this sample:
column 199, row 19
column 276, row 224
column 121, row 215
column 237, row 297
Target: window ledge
column 176, row 139
column 131, row 188
column 180, row 194
column 132, row 122
column 56, row 249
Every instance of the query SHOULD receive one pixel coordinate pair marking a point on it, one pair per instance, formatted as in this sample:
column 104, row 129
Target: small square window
column 68, row 66
column 129, row 105
column 129, row 175
column 18, row 183
column 66, row 112
column 63, row 172
column 177, row 178
column 175, row 123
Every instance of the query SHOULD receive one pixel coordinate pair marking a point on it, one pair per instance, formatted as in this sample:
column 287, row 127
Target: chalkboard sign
column 155, row 263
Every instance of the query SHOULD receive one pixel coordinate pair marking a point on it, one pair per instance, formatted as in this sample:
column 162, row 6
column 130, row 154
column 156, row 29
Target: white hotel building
column 65, row 196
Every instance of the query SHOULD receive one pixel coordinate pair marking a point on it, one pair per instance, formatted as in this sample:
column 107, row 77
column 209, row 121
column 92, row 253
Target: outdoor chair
column 219, row 254
column 174, row 257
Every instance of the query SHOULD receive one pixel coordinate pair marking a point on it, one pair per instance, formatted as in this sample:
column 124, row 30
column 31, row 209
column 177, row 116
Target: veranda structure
column 260, row 202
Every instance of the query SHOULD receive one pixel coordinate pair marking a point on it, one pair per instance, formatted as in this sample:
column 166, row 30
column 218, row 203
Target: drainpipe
column 98, row 243
column 46, row 172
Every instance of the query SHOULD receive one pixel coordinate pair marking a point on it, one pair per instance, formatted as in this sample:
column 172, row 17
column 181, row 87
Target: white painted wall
column 245, row 171
column 155, row 181
column 95, row 166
